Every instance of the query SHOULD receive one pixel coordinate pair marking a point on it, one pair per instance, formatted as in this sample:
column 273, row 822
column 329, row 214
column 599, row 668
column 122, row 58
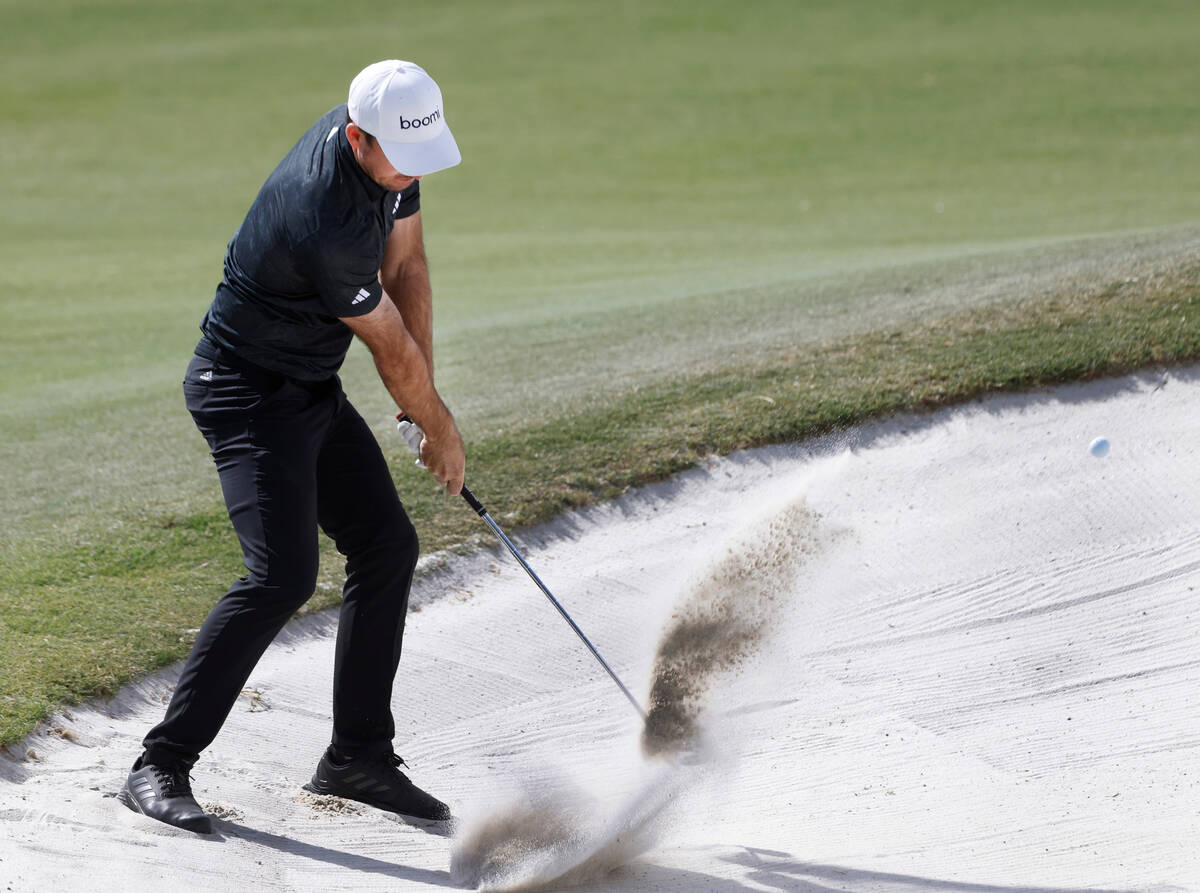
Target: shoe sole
column 313, row 788
column 129, row 800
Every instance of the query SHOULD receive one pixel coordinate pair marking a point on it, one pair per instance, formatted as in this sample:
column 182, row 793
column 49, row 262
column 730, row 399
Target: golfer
column 331, row 248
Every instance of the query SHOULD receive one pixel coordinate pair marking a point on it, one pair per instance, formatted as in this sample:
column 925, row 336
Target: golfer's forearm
column 405, row 373
column 408, row 288
column 403, row 366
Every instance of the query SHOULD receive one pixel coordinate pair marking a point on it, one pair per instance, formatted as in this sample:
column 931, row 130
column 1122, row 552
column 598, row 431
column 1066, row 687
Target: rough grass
column 65, row 617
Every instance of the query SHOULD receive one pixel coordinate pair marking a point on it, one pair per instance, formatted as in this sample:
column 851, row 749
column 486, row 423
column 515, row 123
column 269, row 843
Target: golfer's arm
column 404, row 368
column 404, row 275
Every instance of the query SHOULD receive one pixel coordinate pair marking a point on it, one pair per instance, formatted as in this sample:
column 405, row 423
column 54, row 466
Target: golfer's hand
column 446, row 458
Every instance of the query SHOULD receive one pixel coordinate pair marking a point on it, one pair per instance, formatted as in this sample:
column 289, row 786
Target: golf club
column 412, row 436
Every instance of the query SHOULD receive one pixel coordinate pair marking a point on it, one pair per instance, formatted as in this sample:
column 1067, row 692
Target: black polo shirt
column 308, row 252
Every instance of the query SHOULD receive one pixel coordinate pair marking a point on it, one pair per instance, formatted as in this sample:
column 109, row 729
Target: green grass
column 167, row 571
column 666, row 213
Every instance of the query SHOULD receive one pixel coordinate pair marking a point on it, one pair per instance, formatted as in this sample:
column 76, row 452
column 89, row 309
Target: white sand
column 985, row 679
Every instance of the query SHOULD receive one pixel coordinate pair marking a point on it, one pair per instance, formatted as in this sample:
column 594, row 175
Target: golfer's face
column 379, row 169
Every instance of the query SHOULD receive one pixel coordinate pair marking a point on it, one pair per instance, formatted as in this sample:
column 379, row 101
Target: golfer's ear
column 353, row 134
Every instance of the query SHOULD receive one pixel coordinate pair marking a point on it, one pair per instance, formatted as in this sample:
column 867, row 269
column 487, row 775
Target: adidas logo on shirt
column 362, row 295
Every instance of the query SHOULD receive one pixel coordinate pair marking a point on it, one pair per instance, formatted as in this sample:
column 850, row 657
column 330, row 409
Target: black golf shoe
column 378, row 782
column 164, row 793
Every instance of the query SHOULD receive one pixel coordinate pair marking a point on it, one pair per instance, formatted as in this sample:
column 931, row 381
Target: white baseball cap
column 401, row 106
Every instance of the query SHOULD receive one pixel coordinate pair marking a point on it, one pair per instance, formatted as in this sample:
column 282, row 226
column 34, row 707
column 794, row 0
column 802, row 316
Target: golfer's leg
column 267, row 477
column 359, row 508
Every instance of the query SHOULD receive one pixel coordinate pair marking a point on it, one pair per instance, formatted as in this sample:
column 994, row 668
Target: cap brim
column 425, row 157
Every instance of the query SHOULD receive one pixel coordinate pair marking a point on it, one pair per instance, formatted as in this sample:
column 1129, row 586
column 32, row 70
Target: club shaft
column 482, row 512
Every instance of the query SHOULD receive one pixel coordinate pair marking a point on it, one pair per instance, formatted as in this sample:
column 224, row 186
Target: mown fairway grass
column 680, row 228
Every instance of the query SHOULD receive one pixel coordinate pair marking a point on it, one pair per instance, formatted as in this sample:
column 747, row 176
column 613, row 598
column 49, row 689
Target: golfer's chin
column 397, row 183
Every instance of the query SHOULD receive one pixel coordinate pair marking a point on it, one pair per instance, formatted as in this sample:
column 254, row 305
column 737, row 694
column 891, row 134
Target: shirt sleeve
column 345, row 278
column 408, row 202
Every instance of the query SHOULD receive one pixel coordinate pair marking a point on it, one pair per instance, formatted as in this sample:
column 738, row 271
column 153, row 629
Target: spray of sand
column 722, row 621
column 558, row 836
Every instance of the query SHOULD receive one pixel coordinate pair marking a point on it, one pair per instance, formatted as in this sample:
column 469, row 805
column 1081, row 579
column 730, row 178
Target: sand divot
column 322, row 804
column 226, row 813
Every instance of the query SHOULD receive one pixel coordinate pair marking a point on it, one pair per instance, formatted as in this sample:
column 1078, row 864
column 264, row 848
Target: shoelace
column 174, row 782
column 396, row 761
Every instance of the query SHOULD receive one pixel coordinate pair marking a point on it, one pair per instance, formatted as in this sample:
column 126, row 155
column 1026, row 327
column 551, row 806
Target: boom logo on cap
column 400, row 105
column 413, row 123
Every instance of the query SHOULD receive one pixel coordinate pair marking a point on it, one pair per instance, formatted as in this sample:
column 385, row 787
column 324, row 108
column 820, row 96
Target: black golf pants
column 293, row 455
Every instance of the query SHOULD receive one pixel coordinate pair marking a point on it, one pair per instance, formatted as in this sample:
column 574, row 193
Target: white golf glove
column 411, row 433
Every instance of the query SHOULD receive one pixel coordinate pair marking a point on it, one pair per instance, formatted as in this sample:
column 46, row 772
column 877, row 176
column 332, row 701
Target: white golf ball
column 1099, row 447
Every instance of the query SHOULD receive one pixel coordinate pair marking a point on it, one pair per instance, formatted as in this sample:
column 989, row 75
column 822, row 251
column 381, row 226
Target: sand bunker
column 989, row 687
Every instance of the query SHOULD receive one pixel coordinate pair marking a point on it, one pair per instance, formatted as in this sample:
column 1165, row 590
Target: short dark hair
column 370, row 138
